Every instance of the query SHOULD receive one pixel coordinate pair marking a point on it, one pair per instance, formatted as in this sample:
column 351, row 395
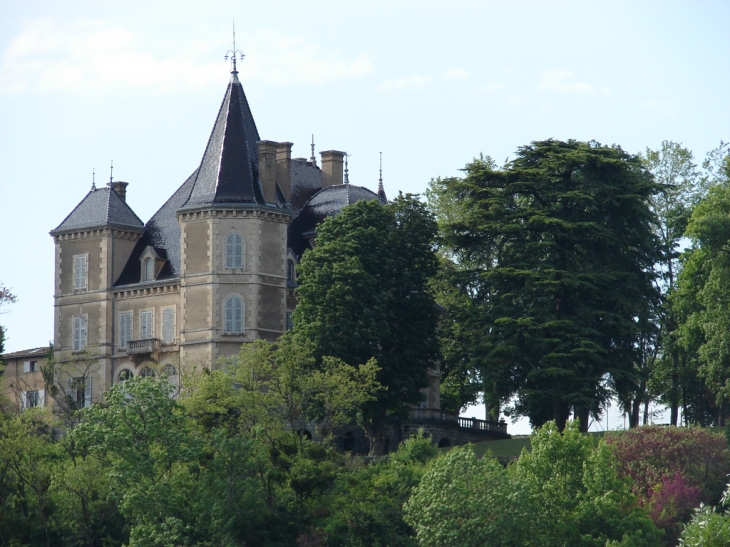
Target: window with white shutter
column 146, row 324
column 125, row 329
column 168, row 325
column 234, row 251
column 80, row 271
column 79, row 343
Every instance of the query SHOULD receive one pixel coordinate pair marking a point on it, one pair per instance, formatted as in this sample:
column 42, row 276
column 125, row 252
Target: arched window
column 291, row 273
column 125, row 375
column 148, row 273
column 234, row 250
column 147, row 372
column 233, row 315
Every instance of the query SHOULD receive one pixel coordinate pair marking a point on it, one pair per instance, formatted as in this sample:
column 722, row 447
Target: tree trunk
column 561, row 411
column 583, row 415
column 646, row 411
column 375, row 431
column 674, row 390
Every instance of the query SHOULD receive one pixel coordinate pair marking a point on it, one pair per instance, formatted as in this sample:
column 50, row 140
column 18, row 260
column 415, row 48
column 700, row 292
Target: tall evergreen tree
column 364, row 293
column 557, row 251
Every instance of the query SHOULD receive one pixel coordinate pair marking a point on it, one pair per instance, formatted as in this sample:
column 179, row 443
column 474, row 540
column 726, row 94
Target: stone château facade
column 213, row 268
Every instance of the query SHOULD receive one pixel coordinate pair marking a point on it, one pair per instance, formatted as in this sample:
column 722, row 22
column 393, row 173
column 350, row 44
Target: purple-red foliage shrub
column 672, row 470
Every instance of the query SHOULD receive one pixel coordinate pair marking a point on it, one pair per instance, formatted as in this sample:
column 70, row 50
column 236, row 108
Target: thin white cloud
column 517, row 101
column 489, row 88
column 564, row 81
column 89, row 56
column 457, row 73
column 405, row 83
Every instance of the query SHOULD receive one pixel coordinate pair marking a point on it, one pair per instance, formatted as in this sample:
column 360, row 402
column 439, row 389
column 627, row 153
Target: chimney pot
column 332, row 167
column 120, row 188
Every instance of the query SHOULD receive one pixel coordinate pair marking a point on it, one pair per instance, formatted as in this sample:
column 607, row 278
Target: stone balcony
column 437, row 414
column 138, row 350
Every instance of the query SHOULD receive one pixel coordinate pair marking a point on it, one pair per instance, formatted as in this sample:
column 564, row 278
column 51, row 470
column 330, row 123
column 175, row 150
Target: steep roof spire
column 229, row 169
column 381, row 190
column 312, row 158
column 347, row 171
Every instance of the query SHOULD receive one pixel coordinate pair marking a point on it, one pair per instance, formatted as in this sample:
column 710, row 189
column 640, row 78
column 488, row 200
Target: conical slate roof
column 100, row 207
column 228, row 172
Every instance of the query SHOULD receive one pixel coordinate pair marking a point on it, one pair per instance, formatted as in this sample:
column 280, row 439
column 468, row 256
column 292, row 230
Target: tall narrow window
column 289, row 321
column 234, row 315
column 168, row 325
column 291, row 274
column 80, row 271
column 125, row 328
column 234, row 250
column 78, row 391
column 79, row 333
column 146, row 324
column 149, row 270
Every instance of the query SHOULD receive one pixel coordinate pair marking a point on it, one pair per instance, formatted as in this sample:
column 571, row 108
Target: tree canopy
column 556, row 253
column 364, row 294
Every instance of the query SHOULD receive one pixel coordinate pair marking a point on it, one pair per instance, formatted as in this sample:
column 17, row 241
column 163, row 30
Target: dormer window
column 151, row 264
column 148, row 272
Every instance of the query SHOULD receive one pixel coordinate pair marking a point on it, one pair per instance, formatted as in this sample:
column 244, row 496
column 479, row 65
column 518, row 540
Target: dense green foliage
column 564, row 493
column 555, row 252
column 364, row 294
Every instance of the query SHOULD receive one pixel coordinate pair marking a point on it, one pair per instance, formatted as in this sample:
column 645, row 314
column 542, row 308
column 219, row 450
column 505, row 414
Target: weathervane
column 234, row 53
column 313, row 159
column 93, row 179
column 111, row 173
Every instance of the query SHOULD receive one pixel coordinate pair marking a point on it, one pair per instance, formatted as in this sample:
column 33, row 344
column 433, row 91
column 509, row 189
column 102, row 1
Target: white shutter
column 80, row 271
column 26, row 366
column 41, row 398
column 23, row 400
column 87, row 391
column 168, row 325
column 125, row 329
column 146, row 325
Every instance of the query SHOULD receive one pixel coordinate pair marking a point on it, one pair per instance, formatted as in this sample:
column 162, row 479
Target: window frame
column 124, row 342
column 291, row 271
column 173, row 333
column 232, row 320
column 80, row 276
column 148, row 269
column 151, row 314
column 230, row 254
column 82, row 343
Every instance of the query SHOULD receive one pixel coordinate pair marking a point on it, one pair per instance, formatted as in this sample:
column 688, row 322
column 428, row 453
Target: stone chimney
column 267, row 169
column 283, row 168
column 120, row 188
column 332, row 165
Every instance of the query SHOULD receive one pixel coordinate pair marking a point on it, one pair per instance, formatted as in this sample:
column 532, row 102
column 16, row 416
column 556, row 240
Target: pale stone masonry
column 215, row 267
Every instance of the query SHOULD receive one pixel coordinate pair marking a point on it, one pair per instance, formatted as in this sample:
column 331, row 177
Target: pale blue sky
column 430, row 84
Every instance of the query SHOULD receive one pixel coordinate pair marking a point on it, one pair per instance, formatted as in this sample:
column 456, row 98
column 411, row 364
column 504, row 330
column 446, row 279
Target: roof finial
column 111, row 173
column 347, row 171
column 313, row 159
column 380, row 180
column 93, row 179
column 234, row 53
column 381, row 190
